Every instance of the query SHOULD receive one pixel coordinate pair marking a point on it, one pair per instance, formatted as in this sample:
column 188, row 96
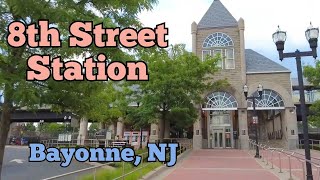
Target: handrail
column 289, row 154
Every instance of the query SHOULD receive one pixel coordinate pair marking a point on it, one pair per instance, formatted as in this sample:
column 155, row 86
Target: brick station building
column 225, row 119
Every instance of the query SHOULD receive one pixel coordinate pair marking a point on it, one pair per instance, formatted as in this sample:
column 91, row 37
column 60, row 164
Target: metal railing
column 75, row 142
column 312, row 142
column 269, row 155
column 86, row 171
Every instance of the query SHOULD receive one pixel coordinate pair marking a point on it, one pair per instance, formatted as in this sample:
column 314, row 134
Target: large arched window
column 270, row 100
column 220, row 101
column 217, row 40
column 222, row 44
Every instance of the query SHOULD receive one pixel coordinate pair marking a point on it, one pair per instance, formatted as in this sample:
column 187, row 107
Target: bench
column 119, row 144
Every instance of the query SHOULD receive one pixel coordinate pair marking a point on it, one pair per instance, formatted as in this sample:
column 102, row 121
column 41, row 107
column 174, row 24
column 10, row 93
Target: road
column 17, row 167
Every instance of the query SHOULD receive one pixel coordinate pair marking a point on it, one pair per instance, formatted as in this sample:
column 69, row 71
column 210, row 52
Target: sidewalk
column 218, row 164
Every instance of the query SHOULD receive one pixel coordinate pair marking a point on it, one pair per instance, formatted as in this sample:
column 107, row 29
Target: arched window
column 217, row 40
column 220, row 101
column 270, row 100
column 220, row 43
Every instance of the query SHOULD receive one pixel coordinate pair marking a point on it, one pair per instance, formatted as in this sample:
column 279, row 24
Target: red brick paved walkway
column 220, row 165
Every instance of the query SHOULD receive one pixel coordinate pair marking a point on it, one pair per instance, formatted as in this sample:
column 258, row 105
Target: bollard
column 267, row 156
column 272, row 159
column 280, row 163
column 290, row 167
column 304, row 170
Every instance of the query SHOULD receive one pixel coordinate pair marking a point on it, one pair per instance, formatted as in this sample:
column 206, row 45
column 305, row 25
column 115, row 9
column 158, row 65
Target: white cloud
column 261, row 19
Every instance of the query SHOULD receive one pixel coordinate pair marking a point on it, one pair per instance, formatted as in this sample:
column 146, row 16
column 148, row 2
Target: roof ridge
column 217, row 16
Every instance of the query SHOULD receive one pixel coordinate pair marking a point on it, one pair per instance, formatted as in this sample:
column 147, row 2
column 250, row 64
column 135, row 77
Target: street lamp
column 255, row 116
column 65, row 126
column 40, row 129
column 140, row 145
column 279, row 39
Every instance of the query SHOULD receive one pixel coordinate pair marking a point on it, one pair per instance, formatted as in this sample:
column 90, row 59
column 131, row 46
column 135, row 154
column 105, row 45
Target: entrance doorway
column 218, row 138
column 221, row 138
column 220, row 129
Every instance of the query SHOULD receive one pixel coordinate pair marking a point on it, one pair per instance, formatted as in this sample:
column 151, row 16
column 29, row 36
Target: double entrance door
column 221, row 138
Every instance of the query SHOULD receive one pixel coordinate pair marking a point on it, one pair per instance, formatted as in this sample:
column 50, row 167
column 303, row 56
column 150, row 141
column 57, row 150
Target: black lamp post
column 40, row 129
column 65, row 121
column 312, row 35
column 255, row 116
column 140, row 145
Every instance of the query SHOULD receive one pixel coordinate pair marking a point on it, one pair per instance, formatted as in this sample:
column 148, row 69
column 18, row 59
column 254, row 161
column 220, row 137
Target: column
column 111, row 128
column 102, row 125
column 291, row 127
column 120, row 128
column 83, row 131
column 242, row 50
column 194, row 37
column 154, row 133
column 197, row 133
column 243, row 129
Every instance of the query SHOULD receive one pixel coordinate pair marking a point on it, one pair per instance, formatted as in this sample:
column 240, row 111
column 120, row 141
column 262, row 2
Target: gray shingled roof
column 257, row 63
column 217, row 16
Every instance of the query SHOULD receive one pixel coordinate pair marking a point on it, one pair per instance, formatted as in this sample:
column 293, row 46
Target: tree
column 94, row 127
column 18, row 92
column 30, row 127
column 177, row 82
column 313, row 76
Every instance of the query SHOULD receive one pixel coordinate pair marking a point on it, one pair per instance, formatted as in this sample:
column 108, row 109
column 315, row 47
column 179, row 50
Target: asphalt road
column 17, row 167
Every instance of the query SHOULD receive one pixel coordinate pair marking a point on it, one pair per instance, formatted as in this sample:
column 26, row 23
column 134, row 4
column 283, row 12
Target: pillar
column 197, row 133
column 102, row 125
column 242, row 50
column 154, row 133
column 243, row 129
column 111, row 128
column 83, row 131
column 120, row 128
column 194, row 37
column 291, row 128
column 12, row 125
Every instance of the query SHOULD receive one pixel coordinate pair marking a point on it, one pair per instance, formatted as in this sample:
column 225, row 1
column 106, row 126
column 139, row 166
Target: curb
column 161, row 169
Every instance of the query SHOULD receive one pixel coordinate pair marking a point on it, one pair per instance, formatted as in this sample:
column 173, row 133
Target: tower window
column 220, row 44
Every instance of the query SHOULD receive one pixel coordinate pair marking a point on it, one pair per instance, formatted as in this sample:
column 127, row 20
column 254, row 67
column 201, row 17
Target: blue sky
column 261, row 18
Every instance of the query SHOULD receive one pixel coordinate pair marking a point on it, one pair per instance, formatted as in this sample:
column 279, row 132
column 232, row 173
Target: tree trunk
column 166, row 128
column 4, row 130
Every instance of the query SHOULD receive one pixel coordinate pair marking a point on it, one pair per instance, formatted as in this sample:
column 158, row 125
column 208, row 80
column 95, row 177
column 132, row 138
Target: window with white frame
column 220, row 43
column 229, row 60
column 205, row 53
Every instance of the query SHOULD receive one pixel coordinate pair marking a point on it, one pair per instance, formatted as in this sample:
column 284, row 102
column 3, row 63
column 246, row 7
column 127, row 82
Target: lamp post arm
column 298, row 53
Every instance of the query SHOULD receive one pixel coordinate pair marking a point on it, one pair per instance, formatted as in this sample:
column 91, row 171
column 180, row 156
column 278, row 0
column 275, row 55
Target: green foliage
column 85, row 99
column 107, row 174
column 94, row 127
column 313, row 76
column 177, row 80
column 52, row 128
column 30, row 127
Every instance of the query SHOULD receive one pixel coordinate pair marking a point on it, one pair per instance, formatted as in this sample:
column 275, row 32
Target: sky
column 261, row 17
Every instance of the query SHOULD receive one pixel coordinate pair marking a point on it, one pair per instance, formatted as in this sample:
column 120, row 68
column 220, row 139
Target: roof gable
column 217, row 16
column 257, row 63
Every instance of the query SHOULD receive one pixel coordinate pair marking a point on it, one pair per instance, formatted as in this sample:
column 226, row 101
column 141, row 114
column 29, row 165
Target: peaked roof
column 257, row 63
column 217, row 16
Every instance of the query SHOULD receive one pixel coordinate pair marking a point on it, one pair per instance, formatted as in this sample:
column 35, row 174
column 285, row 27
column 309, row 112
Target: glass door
column 218, row 138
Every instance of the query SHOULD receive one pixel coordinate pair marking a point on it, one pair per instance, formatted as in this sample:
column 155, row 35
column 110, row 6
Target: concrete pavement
column 220, row 165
